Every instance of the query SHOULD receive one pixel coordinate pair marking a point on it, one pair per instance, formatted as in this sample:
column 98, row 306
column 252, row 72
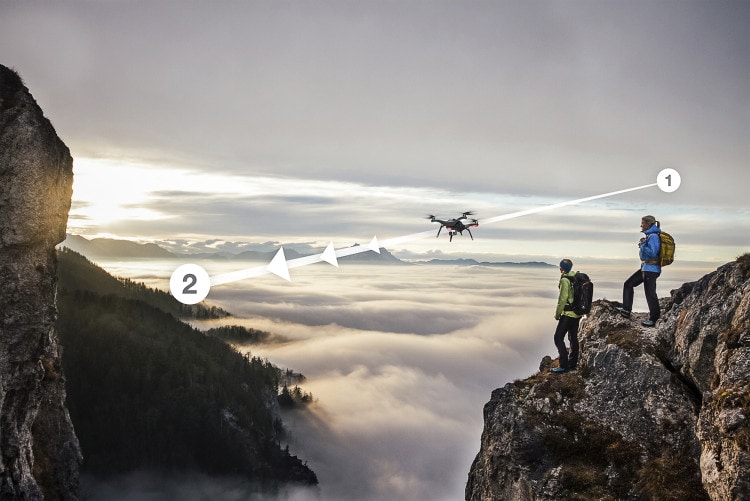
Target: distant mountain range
column 109, row 248
column 112, row 248
column 474, row 262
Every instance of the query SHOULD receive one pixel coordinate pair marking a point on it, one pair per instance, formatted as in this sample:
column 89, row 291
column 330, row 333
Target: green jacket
column 566, row 297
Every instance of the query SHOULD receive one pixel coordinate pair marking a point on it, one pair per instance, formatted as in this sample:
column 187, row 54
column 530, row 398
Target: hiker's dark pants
column 569, row 326
column 648, row 279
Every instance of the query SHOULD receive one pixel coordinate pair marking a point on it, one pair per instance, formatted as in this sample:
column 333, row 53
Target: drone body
column 457, row 225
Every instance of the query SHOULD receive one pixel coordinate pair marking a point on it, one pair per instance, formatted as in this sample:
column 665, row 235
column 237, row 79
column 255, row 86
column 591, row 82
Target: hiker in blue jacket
column 649, row 247
column 567, row 320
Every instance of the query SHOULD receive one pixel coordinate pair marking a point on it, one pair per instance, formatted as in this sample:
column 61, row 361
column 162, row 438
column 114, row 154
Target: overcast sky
column 208, row 125
column 365, row 116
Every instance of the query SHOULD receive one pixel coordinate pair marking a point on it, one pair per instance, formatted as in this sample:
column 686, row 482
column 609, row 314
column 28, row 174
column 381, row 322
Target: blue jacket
column 649, row 249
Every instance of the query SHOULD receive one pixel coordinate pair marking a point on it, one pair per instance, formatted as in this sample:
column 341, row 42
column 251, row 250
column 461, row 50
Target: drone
column 457, row 225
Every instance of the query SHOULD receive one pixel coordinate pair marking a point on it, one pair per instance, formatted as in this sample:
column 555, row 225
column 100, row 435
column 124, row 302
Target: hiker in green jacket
column 567, row 320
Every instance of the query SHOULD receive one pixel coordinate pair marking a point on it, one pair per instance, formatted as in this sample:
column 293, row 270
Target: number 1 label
column 668, row 180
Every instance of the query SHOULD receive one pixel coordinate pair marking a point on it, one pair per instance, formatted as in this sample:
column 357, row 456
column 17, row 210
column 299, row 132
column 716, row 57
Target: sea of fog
column 400, row 359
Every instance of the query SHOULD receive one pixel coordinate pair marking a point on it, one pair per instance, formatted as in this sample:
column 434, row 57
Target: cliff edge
column 651, row 414
column 39, row 452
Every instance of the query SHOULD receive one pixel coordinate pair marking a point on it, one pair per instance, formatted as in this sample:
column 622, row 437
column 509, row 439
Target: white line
column 349, row 251
column 407, row 238
column 304, row 261
column 561, row 204
column 234, row 276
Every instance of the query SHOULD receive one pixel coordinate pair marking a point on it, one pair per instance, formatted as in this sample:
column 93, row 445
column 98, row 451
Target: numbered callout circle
column 668, row 180
column 190, row 284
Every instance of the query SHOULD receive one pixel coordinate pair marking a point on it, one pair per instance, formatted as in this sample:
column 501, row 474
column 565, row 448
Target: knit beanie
column 566, row 265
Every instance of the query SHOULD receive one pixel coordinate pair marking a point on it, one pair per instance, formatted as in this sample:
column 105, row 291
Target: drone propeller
column 468, row 213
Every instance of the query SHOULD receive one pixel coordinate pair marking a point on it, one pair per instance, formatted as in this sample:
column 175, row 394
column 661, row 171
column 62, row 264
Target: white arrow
column 329, row 255
column 373, row 245
column 278, row 266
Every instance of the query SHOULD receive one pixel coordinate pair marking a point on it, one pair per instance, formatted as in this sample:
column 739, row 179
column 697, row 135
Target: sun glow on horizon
column 106, row 191
column 111, row 191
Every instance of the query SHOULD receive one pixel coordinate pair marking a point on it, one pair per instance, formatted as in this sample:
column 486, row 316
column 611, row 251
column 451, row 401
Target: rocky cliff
column 39, row 452
column 652, row 414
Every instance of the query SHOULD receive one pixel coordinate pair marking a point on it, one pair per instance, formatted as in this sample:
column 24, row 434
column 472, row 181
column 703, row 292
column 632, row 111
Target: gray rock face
column 39, row 452
column 710, row 319
column 650, row 414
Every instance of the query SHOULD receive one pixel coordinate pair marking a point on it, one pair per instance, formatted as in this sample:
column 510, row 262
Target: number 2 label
column 189, row 284
column 189, row 287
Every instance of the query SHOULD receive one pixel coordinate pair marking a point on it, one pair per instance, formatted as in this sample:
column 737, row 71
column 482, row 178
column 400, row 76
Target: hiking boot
column 648, row 323
column 559, row 369
column 622, row 311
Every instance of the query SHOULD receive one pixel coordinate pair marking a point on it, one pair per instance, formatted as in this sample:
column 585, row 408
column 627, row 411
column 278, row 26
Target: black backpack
column 583, row 293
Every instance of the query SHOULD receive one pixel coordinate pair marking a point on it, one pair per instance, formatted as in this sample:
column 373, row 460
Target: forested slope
column 76, row 272
column 148, row 392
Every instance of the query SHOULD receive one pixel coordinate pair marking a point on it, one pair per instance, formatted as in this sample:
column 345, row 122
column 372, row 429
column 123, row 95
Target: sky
column 236, row 125
column 203, row 125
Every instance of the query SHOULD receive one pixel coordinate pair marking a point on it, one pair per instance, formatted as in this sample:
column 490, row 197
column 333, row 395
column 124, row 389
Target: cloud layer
column 400, row 387
column 191, row 211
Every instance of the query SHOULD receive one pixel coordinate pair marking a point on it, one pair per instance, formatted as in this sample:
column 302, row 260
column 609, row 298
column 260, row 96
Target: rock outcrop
column 39, row 452
column 652, row 414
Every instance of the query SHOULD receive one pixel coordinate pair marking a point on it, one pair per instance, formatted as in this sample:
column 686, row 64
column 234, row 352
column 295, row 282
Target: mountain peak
column 658, row 413
column 39, row 451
